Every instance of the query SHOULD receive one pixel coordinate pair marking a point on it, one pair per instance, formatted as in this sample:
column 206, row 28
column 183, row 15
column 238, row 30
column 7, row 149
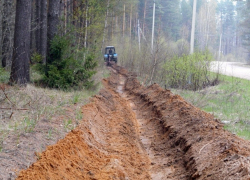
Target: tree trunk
column 153, row 30
column 75, row 13
column 220, row 47
column 65, row 16
column 112, row 24
column 86, row 27
column 33, row 27
column 43, row 32
column 7, row 33
column 53, row 21
column 130, row 22
column 21, row 54
column 153, row 69
column 207, row 25
column 1, row 18
column 105, row 26
column 193, row 28
column 38, row 25
column 69, row 15
column 123, row 28
column 144, row 16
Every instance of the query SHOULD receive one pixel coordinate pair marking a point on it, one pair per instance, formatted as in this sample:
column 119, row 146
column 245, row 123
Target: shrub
column 189, row 71
column 36, row 58
column 66, row 68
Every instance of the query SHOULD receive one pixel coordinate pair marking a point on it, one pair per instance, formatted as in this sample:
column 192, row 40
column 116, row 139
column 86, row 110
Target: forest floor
column 129, row 131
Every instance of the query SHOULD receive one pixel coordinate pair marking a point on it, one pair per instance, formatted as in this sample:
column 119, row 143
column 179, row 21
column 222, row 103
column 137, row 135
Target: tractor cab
column 110, row 50
column 110, row 54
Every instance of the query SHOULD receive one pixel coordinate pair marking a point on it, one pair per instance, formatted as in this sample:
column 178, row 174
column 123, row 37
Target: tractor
column 110, row 55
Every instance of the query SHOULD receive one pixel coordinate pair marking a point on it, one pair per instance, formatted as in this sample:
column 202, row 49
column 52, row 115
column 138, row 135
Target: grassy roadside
column 23, row 110
column 229, row 101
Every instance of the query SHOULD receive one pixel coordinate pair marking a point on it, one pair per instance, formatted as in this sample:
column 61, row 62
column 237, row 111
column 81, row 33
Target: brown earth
column 134, row 132
column 20, row 149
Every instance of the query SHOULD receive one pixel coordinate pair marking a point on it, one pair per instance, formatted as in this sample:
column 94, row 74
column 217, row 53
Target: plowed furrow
column 134, row 132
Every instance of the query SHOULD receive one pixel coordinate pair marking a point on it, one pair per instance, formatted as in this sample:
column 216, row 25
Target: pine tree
column 43, row 31
column 21, row 54
column 53, row 22
column 186, row 20
column 206, row 25
column 245, row 24
column 171, row 17
column 226, row 10
column 7, row 32
column 186, row 12
column 198, row 4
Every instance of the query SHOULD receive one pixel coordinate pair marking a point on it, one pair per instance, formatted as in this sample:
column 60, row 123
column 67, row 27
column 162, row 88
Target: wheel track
column 153, row 138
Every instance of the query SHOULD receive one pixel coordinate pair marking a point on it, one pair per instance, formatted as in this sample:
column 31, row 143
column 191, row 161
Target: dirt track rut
column 135, row 132
column 152, row 136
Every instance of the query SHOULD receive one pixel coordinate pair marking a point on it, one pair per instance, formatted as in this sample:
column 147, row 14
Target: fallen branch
column 11, row 115
column 18, row 109
column 6, row 96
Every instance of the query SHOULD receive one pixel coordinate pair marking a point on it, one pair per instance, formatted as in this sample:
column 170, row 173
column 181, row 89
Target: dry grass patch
column 22, row 108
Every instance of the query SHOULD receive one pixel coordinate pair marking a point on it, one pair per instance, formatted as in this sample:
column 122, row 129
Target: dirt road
column 134, row 132
column 235, row 69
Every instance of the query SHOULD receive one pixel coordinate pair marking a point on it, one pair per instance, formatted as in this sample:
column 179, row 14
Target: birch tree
column 206, row 25
column 193, row 28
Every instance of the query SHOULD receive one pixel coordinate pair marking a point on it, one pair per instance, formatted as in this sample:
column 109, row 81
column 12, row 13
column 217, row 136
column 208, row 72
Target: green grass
column 229, row 101
column 29, row 124
column 49, row 135
column 4, row 76
column 68, row 125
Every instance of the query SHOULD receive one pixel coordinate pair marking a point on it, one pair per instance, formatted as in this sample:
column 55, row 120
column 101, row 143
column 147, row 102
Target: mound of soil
column 197, row 140
column 134, row 132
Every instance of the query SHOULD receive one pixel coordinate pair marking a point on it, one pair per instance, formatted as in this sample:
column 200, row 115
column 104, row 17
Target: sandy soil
column 235, row 69
column 134, row 132
column 20, row 150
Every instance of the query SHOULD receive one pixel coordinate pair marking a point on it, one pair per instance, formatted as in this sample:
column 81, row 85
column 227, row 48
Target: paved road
column 236, row 69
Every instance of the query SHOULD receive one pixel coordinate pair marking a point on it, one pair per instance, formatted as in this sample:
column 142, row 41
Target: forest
column 64, row 39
